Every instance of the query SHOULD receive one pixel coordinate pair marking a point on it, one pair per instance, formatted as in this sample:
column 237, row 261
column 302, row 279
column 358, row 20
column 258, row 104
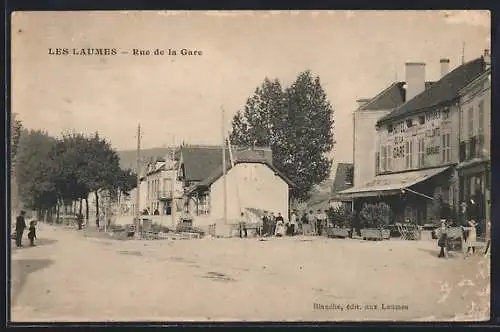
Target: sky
column 178, row 98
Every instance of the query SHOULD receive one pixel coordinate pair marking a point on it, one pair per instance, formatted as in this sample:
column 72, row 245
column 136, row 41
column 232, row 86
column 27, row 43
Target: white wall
column 365, row 144
column 256, row 185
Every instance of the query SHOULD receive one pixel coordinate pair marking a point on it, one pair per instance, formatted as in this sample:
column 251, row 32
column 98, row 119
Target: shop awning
column 390, row 184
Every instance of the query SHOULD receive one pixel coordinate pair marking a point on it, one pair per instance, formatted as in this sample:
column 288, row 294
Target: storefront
column 410, row 195
column 474, row 179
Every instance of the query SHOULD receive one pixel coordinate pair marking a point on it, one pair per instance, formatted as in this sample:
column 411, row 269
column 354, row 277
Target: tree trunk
column 97, row 208
column 86, row 210
column 80, row 208
column 57, row 212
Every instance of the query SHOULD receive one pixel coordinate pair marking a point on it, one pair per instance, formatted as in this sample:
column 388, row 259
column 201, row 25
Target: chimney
column 487, row 58
column 445, row 66
column 415, row 79
column 362, row 101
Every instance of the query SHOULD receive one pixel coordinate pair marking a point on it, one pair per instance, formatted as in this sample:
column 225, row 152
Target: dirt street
column 71, row 277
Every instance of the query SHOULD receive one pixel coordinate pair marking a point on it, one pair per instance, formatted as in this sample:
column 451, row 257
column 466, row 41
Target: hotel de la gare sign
column 417, row 142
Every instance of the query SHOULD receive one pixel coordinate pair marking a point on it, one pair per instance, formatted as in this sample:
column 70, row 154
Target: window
column 470, row 121
column 446, row 149
column 203, row 204
column 480, row 121
column 421, row 154
column 383, row 159
column 407, row 154
column 421, row 119
column 390, row 128
column 377, row 162
column 411, row 154
column 409, row 123
column 167, row 187
column 389, row 158
column 446, row 113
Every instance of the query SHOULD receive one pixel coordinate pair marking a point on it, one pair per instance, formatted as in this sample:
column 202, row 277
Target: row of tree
column 54, row 172
column 297, row 123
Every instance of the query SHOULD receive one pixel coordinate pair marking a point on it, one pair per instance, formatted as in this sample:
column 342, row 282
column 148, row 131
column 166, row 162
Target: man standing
column 311, row 227
column 272, row 222
column 20, row 227
column 265, row 224
column 319, row 222
column 243, row 227
column 293, row 223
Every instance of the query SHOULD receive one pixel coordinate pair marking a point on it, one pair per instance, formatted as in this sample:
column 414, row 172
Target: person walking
column 20, row 227
column 79, row 220
column 443, row 239
column 32, row 233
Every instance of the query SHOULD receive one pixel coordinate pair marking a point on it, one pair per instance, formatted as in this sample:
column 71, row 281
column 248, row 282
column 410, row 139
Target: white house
column 253, row 185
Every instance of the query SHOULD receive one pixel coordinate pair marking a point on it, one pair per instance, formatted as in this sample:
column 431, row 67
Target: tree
column 16, row 130
column 34, row 170
column 296, row 124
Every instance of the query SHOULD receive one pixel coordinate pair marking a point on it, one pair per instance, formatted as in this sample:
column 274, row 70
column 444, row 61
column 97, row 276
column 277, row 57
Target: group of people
column 468, row 218
column 275, row 224
column 20, row 228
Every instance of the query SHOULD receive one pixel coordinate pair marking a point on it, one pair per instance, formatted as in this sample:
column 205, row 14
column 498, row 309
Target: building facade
column 474, row 168
column 417, row 146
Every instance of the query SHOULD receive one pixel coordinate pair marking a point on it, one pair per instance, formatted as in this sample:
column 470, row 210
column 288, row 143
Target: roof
column 219, row 171
column 390, row 184
column 391, row 97
column 128, row 158
column 343, row 180
column 441, row 92
column 202, row 161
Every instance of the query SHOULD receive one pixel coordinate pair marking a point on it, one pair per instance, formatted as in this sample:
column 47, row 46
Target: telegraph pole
column 137, row 198
column 224, row 165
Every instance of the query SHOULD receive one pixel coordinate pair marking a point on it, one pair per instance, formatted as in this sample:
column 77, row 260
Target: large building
column 370, row 111
column 475, row 123
column 417, row 145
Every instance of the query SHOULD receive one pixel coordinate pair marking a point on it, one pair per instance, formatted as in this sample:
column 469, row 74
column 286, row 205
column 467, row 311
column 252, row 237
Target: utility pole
column 173, row 208
column 224, row 165
column 137, row 198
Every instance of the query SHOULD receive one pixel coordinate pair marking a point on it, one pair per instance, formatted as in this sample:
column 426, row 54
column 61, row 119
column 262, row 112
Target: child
column 443, row 238
column 32, row 233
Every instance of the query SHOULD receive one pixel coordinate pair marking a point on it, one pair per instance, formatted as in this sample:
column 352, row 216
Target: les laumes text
column 83, row 51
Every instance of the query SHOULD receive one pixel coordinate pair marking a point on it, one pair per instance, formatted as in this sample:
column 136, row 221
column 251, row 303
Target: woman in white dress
column 280, row 226
column 471, row 236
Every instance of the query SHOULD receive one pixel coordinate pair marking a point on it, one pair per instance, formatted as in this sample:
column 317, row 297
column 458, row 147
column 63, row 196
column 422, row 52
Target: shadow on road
column 38, row 243
column 20, row 270
column 435, row 253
